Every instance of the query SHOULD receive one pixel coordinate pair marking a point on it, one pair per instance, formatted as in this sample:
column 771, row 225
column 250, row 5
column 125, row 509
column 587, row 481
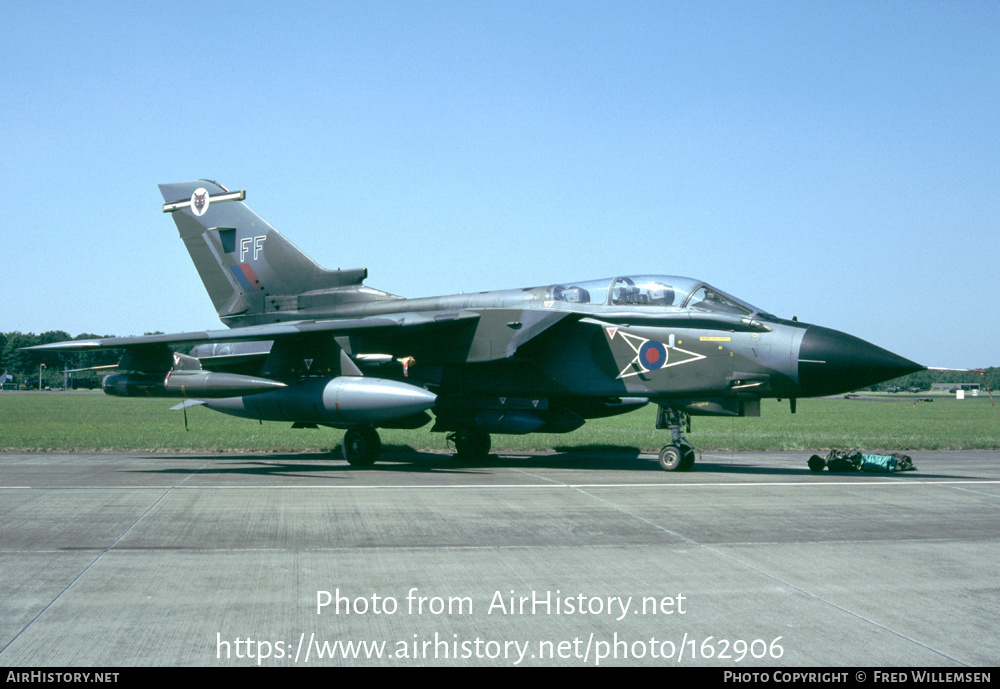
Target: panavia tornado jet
column 316, row 347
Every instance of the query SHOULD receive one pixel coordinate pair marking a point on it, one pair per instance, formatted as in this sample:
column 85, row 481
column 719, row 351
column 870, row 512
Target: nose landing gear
column 678, row 456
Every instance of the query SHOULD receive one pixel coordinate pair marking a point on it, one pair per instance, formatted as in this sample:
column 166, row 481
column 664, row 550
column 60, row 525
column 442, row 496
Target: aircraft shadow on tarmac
column 406, row 460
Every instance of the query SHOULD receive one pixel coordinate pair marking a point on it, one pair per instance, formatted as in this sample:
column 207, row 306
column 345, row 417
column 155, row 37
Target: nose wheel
column 679, row 455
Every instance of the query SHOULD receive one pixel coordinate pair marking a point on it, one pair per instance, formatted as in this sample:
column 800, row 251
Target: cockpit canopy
column 651, row 290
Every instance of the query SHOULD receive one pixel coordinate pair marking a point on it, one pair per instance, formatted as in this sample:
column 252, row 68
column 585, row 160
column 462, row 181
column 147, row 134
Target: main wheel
column 362, row 446
column 471, row 445
column 674, row 458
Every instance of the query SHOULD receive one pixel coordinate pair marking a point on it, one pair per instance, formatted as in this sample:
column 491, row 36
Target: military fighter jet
column 318, row 347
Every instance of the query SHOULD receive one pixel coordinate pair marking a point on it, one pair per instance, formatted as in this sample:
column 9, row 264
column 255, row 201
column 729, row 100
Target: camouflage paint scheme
column 319, row 347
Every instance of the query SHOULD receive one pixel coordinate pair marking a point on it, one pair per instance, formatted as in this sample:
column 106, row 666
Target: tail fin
column 252, row 273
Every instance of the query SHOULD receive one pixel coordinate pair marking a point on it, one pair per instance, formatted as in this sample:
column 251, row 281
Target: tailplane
column 252, row 273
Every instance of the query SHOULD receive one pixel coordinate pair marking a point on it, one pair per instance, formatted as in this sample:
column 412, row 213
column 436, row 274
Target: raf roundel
column 652, row 355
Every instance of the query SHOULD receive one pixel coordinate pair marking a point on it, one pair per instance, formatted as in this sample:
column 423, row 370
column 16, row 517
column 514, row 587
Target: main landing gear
column 361, row 446
column 470, row 445
column 678, row 456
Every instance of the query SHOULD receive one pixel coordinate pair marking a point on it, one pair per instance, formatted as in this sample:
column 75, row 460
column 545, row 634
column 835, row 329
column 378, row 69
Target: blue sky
column 835, row 161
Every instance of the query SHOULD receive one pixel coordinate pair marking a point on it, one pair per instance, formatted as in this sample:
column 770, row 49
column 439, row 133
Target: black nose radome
column 832, row 362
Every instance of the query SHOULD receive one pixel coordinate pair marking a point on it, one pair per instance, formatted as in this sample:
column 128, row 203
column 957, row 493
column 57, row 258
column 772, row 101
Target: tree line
column 24, row 365
column 924, row 379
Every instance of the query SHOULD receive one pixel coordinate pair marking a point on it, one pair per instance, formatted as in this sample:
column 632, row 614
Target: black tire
column 817, row 463
column 471, row 445
column 361, row 446
column 687, row 456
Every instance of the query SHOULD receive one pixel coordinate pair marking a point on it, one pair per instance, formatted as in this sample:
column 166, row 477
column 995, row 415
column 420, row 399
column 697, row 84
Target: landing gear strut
column 470, row 445
column 361, row 446
column 678, row 456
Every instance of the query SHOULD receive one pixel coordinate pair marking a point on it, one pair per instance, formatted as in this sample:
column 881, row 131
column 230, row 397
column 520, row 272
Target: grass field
column 88, row 421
